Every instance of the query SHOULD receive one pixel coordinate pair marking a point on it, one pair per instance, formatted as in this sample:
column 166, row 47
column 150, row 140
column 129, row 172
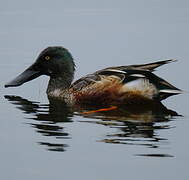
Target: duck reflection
column 134, row 125
column 47, row 119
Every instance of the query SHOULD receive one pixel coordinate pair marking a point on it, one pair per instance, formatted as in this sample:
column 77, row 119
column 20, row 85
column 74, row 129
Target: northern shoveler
column 134, row 84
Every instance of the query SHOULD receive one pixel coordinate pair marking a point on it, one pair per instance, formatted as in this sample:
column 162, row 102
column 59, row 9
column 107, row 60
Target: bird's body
column 134, row 84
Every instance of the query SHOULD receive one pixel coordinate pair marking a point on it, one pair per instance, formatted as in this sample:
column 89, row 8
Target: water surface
column 42, row 139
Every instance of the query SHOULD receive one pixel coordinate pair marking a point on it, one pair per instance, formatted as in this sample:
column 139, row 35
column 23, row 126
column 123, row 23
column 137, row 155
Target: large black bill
column 26, row 76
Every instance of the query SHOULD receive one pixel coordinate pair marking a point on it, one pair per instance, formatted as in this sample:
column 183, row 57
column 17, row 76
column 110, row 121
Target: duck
column 132, row 84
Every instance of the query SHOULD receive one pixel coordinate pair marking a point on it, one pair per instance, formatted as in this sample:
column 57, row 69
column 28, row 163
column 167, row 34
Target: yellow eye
column 47, row 57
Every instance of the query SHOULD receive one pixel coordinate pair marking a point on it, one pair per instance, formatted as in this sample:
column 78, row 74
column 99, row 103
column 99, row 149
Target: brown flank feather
column 107, row 91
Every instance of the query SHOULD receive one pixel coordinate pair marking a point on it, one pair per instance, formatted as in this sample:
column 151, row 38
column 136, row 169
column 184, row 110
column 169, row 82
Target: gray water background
column 98, row 33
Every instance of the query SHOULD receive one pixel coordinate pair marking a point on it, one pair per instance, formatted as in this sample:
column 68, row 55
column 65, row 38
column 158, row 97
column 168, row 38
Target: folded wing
column 126, row 81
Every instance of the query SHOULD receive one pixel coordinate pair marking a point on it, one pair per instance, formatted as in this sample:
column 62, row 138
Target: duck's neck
column 58, row 85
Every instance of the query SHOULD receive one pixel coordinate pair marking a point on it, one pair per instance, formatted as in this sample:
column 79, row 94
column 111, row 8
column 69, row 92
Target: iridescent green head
column 56, row 62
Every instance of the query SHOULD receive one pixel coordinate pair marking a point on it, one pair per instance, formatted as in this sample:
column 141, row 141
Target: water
column 41, row 139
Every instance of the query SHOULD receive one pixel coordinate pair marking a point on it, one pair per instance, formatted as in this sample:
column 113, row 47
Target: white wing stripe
column 137, row 75
column 171, row 91
column 115, row 70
